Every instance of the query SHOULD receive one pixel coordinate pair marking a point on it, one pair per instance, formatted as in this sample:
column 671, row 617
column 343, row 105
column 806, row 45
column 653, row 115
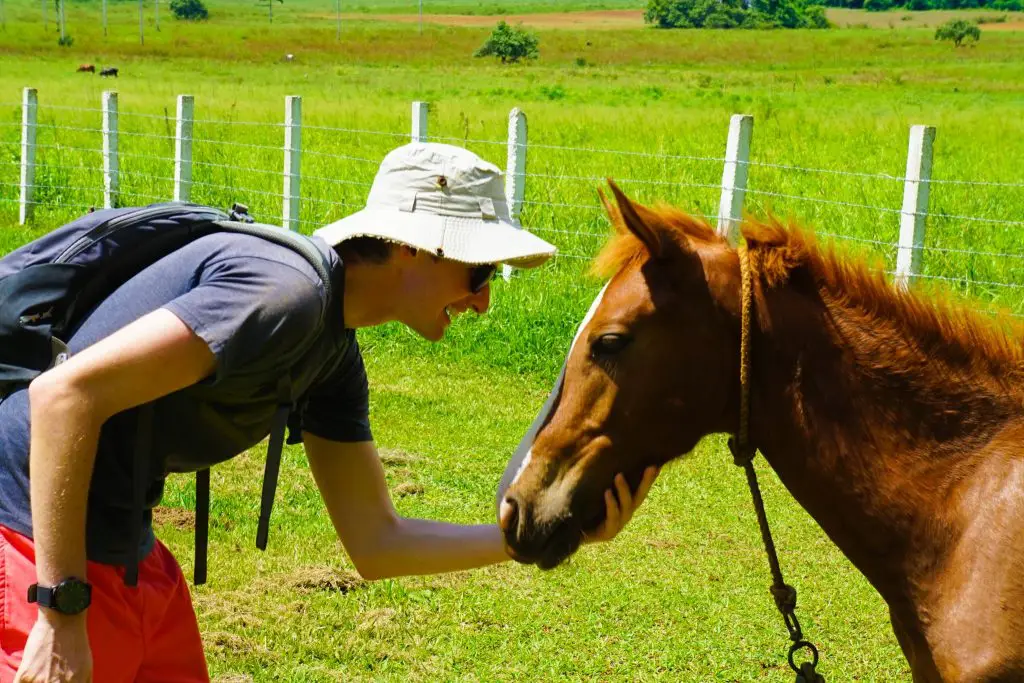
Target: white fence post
column 420, row 112
column 292, row 160
column 515, row 173
column 915, row 204
column 29, row 121
column 734, row 175
column 183, row 149
column 111, row 167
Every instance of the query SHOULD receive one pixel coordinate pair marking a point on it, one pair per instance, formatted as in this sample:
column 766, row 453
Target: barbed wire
column 623, row 152
column 77, row 129
column 338, row 156
column 239, row 190
column 147, row 157
column 332, row 202
column 572, row 232
column 37, row 203
column 234, row 167
column 147, row 135
column 934, row 181
column 232, row 143
column 591, row 207
column 828, row 171
column 965, row 281
column 70, row 148
column 70, row 108
column 973, row 218
column 39, row 186
column 131, row 193
column 823, row 201
column 268, row 124
column 336, row 180
column 358, row 131
column 500, row 143
column 638, row 181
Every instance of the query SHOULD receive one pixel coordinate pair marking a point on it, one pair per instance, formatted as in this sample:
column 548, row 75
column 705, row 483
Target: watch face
column 72, row 596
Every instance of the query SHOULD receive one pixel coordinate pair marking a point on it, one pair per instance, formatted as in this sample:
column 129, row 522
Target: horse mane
column 938, row 327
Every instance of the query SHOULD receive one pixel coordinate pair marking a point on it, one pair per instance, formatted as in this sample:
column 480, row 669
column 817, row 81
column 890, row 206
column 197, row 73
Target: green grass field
column 682, row 594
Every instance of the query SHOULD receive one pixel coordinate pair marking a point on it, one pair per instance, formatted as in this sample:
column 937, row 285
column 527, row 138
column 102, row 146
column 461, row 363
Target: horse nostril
column 508, row 514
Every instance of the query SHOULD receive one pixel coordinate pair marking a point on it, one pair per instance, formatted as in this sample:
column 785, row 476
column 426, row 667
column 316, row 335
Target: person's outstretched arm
column 382, row 544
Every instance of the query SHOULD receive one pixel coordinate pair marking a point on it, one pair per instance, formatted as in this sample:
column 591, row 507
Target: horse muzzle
column 536, row 539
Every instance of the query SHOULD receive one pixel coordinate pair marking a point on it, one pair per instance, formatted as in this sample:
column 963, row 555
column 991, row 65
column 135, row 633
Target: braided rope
column 743, row 455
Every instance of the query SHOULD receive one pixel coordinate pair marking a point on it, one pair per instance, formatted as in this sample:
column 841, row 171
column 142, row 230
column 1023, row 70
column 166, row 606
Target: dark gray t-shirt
column 253, row 302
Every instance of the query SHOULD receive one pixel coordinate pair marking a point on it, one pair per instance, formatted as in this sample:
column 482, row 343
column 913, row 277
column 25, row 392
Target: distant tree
column 878, row 5
column 191, row 10
column 958, row 31
column 509, row 44
column 734, row 14
column 668, row 14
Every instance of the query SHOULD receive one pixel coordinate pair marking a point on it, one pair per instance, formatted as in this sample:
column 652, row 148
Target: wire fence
column 81, row 158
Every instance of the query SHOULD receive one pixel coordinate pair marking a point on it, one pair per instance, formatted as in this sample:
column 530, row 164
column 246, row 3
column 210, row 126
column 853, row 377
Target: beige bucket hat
column 446, row 200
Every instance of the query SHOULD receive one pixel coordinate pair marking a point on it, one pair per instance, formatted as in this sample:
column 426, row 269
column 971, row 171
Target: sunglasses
column 479, row 276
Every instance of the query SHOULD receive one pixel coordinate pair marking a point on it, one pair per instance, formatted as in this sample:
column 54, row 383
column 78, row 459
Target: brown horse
column 896, row 421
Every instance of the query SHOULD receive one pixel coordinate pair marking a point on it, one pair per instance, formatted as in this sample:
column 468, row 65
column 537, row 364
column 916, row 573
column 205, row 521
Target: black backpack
column 47, row 286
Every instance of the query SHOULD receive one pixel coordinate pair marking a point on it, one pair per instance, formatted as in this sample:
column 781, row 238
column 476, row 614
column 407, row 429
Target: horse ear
column 613, row 212
column 631, row 219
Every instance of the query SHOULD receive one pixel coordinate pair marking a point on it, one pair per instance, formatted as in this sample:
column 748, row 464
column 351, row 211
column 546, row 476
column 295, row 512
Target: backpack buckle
column 240, row 213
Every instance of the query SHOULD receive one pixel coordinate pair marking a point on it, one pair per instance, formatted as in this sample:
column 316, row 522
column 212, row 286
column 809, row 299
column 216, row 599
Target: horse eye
column 608, row 344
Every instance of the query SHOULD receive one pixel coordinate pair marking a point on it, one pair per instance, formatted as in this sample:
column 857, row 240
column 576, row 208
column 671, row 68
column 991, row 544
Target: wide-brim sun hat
column 447, row 201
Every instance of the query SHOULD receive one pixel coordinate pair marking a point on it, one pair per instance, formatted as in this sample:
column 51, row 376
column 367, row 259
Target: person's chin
column 434, row 332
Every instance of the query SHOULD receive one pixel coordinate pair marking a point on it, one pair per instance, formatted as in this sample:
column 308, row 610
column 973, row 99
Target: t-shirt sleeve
column 338, row 409
column 249, row 308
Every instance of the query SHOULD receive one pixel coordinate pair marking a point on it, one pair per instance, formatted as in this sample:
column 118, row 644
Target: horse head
column 643, row 381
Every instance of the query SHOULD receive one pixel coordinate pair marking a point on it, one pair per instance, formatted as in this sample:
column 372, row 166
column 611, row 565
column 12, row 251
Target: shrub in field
column 958, row 31
column 192, row 10
column 65, row 41
column 510, row 44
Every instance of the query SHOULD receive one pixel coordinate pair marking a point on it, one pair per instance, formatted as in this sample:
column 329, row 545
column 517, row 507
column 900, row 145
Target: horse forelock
column 624, row 250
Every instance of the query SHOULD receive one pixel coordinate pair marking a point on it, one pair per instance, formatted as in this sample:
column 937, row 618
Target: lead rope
column 743, row 455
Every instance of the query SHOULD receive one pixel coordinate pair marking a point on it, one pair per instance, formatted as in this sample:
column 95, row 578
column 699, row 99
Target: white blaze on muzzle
column 524, row 452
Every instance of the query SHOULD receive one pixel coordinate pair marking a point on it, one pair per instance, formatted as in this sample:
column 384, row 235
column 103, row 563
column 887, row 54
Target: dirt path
column 598, row 19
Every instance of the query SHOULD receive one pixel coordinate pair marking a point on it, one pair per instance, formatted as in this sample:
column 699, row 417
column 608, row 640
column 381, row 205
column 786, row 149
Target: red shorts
column 147, row 633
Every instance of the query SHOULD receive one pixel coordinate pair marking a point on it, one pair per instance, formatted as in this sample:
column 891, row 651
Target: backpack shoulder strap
column 305, row 248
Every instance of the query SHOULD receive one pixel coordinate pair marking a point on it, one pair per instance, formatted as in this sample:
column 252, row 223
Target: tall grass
column 844, row 102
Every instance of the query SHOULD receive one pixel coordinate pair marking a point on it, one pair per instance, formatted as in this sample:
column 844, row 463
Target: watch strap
column 46, row 596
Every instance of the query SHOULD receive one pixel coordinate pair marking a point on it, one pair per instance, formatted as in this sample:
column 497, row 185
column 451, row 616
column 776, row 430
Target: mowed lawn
column 682, row 594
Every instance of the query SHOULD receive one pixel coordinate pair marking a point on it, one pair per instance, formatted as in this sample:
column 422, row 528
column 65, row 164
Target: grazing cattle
column 91, row 68
column 109, row 71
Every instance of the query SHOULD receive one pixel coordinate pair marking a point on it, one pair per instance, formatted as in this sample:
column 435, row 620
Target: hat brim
column 469, row 240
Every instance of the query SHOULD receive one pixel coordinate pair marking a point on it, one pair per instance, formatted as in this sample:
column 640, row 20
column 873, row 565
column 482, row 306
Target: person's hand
column 620, row 506
column 57, row 650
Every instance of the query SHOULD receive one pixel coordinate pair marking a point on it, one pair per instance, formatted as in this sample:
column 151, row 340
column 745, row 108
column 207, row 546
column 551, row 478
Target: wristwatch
column 70, row 596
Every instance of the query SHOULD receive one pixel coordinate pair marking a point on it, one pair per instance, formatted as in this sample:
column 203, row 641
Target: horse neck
column 868, row 444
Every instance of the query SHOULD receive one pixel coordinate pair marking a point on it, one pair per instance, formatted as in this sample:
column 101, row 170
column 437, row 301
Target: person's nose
column 481, row 301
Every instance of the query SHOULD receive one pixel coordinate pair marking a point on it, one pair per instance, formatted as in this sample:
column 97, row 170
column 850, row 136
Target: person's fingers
column 650, row 474
column 625, row 497
column 612, row 515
